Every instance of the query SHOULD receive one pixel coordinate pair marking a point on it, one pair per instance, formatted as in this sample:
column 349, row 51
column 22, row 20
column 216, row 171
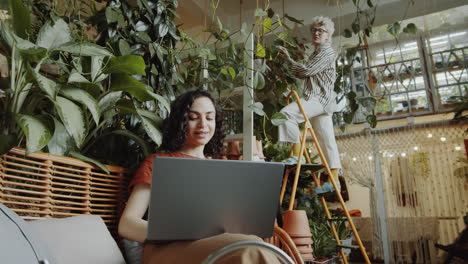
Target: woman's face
column 320, row 34
column 201, row 122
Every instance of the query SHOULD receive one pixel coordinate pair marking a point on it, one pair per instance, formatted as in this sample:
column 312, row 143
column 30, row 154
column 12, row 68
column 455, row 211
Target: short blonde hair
column 323, row 21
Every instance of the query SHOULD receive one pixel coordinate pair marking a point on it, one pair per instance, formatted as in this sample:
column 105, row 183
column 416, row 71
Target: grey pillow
column 18, row 243
column 79, row 239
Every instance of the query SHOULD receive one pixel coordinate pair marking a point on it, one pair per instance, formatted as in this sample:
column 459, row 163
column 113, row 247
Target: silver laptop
column 198, row 198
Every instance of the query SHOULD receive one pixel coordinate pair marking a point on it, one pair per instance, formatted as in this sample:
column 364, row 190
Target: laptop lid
column 197, row 198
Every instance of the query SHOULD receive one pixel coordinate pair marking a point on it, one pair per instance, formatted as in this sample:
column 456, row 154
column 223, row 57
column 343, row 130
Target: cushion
column 18, row 243
column 79, row 239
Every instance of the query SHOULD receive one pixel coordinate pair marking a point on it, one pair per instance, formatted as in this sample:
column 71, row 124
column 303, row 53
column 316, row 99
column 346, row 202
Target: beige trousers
column 194, row 252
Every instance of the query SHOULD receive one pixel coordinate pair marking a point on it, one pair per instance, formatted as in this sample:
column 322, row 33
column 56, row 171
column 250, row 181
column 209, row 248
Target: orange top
column 144, row 173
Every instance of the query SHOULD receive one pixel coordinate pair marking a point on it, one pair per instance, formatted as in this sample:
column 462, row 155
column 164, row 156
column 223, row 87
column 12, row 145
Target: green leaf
column 111, row 15
column 36, row 131
column 84, row 49
column 260, row 12
column 53, row 35
column 162, row 100
column 206, row 54
column 109, row 101
column 259, row 81
column 348, row 117
column 369, row 3
column 257, row 108
column 355, row 26
column 394, row 28
column 266, row 25
column 85, row 99
column 130, row 64
column 145, row 147
column 126, row 107
column 144, row 37
column 28, row 49
column 293, row 19
column 283, row 35
column 244, row 30
column 61, row 141
column 82, row 157
column 260, row 52
column 163, row 28
column 348, row 33
column 270, row 12
column 7, row 142
column 410, row 28
column 76, row 77
column 368, row 102
column 372, row 120
column 278, row 119
column 125, row 82
column 21, row 18
column 225, row 72
column 232, row 72
column 96, row 69
column 150, row 127
column 124, row 47
column 46, row 85
column 73, row 118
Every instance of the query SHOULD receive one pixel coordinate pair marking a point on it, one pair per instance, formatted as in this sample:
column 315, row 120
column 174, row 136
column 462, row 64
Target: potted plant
column 95, row 97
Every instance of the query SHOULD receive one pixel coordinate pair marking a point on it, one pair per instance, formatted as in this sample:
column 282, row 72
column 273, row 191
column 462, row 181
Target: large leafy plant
column 89, row 94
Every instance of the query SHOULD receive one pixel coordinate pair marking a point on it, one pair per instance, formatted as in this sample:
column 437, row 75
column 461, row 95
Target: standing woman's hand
column 283, row 52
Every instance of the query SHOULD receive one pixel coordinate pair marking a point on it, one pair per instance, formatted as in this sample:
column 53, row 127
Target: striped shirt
column 319, row 74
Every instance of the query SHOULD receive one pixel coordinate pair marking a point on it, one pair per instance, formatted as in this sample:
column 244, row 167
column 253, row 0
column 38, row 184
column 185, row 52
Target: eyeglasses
column 320, row 31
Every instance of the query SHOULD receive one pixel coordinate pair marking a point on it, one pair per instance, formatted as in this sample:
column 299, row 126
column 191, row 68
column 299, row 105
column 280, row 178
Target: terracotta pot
column 302, row 240
column 296, row 224
column 233, row 148
column 307, row 256
column 304, row 249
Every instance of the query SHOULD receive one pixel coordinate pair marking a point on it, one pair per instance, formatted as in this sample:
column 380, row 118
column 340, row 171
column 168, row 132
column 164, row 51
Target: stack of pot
column 296, row 224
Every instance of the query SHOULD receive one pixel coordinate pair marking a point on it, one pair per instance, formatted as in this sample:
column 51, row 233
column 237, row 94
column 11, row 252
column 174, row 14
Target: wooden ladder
column 297, row 167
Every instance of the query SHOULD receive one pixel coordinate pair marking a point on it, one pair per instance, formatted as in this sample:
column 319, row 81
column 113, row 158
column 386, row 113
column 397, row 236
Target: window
column 417, row 75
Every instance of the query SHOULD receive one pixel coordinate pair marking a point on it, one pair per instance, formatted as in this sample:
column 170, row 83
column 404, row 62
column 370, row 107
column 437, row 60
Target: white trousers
column 321, row 122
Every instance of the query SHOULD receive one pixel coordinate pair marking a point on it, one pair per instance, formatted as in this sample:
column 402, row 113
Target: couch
column 66, row 211
column 76, row 239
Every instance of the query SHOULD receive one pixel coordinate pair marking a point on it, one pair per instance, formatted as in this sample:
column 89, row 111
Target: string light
column 416, row 148
column 354, row 159
column 443, row 139
column 458, row 148
column 370, row 157
column 429, row 135
column 403, row 154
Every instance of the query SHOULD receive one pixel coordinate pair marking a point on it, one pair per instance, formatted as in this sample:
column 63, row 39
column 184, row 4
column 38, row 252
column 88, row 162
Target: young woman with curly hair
column 192, row 130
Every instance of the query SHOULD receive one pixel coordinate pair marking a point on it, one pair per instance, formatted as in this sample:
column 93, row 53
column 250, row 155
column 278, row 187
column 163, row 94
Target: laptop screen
column 198, row 198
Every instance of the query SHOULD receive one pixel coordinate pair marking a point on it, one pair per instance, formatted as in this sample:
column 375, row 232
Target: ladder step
column 337, row 219
column 348, row 247
column 327, row 194
column 313, row 167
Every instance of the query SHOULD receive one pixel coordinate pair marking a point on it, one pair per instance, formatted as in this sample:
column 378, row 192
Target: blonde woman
column 318, row 100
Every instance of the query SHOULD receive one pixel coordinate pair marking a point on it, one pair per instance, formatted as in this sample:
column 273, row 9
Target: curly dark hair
column 175, row 125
